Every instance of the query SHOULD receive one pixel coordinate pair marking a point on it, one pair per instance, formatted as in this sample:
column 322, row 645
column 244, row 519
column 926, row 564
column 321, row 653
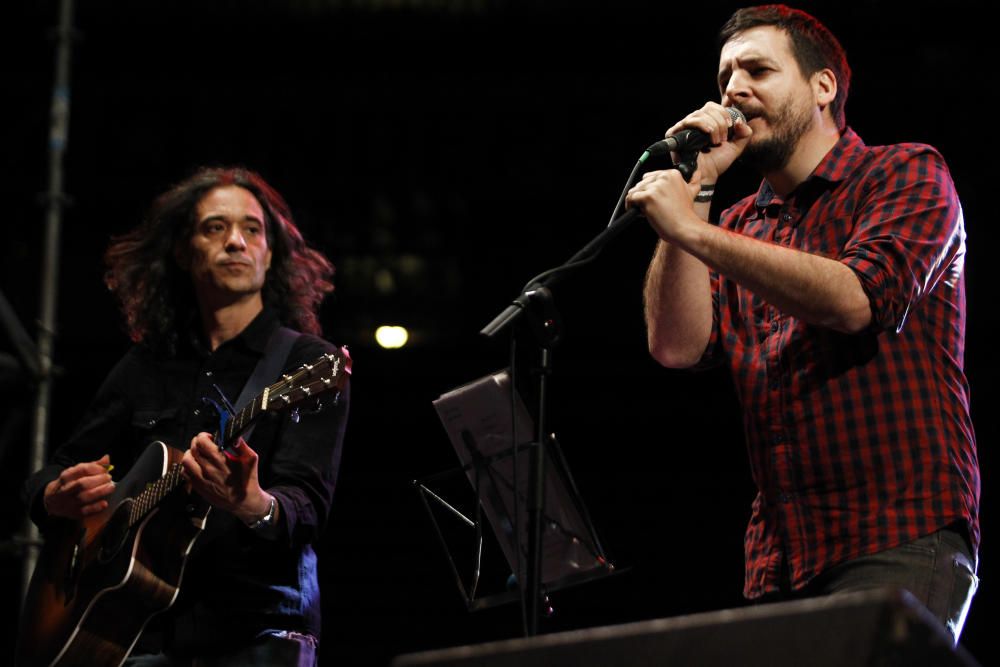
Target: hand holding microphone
column 724, row 130
column 702, row 136
column 664, row 197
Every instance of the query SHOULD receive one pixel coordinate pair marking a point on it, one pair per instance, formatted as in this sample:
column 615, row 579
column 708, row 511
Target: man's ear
column 824, row 85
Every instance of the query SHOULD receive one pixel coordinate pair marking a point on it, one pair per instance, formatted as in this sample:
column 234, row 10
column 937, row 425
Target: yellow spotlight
column 391, row 337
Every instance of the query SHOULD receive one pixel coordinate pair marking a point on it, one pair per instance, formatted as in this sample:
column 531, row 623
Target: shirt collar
column 258, row 332
column 254, row 337
column 835, row 166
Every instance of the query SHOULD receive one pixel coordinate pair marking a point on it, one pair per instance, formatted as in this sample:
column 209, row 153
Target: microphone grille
column 736, row 114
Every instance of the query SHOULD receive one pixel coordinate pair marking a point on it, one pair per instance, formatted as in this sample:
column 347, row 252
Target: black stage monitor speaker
column 882, row 628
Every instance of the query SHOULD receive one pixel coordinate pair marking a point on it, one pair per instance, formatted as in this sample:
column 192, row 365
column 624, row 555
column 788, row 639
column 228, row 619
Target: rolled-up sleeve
column 907, row 233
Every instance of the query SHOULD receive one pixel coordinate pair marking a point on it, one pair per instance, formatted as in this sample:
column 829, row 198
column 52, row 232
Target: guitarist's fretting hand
column 80, row 490
column 226, row 482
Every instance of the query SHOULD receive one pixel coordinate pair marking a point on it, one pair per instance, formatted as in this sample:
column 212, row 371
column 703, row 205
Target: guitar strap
column 279, row 345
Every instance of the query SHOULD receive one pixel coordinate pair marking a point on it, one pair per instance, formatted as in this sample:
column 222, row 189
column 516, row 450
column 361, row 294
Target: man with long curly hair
column 206, row 283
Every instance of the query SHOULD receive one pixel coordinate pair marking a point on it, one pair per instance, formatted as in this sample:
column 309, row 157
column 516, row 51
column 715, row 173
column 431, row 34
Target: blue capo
column 225, row 412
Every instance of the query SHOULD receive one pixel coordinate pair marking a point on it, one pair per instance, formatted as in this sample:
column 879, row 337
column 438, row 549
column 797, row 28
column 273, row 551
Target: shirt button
column 208, row 374
column 197, row 412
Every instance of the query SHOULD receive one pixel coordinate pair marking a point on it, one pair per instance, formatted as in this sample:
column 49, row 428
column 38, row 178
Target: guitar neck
column 328, row 373
column 241, row 421
column 154, row 493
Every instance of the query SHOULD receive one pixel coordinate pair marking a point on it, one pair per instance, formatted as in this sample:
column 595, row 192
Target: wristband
column 705, row 193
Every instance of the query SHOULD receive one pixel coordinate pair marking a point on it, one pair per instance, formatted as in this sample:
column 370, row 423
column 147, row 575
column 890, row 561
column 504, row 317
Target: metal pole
column 536, row 499
column 55, row 201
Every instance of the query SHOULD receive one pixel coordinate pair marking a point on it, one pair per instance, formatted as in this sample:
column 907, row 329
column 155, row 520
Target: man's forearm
column 815, row 289
column 678, row 307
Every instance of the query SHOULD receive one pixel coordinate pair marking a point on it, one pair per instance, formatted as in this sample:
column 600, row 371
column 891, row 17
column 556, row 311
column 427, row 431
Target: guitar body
column 100, row 580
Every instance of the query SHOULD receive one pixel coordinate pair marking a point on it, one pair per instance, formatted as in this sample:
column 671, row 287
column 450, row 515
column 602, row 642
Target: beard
column 787, row 127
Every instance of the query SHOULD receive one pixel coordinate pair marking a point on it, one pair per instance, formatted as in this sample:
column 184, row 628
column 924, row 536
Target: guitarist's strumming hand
column 80, row 490
column 227, row 481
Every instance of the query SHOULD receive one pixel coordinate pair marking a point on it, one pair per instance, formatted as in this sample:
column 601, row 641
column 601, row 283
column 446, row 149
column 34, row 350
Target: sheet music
column 477, row 418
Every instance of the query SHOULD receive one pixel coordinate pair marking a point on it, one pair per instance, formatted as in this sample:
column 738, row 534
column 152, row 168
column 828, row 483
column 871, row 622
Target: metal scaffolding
column 55, row 203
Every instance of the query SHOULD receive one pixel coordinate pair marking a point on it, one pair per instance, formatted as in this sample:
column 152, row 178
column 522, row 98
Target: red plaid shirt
column 857, row 443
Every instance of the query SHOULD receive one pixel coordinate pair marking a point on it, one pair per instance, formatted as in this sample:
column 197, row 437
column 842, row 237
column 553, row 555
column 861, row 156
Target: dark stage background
column 442, row 153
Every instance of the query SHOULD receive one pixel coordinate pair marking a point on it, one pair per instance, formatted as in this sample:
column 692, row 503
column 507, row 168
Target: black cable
column 628, row 184
column 615, row 216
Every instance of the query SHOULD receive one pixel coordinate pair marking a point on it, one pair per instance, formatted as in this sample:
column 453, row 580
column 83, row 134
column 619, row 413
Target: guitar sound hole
column 115, row 532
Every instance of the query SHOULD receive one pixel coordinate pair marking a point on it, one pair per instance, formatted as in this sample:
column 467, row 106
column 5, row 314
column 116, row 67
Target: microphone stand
column 517, row 308
column 535, row 303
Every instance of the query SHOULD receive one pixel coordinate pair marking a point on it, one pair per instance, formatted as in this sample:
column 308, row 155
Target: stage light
column 391, row 337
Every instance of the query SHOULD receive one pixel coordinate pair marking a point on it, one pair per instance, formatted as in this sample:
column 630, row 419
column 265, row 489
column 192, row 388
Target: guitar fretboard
column 154, row 493
column 238, row 422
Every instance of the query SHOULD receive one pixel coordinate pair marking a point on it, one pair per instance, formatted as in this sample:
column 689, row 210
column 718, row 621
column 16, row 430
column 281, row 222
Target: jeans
column 939, row 570
column 274, row 649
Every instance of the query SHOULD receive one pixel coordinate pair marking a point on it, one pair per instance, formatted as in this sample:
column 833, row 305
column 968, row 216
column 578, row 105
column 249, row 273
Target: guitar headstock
column 328, row 373
column 325, row 374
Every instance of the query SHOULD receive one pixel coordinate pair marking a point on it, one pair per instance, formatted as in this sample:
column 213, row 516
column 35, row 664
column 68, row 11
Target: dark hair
column 155, row 292
column 813, row 45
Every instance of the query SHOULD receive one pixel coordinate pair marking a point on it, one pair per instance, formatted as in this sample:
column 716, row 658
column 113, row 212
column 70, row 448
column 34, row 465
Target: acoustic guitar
column 100, row 580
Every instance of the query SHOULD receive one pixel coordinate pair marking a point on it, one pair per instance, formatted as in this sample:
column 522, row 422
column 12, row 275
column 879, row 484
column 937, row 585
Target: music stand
column 479, row 422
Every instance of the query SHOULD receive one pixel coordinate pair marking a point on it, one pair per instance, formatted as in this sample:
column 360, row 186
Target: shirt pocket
column 156, row 424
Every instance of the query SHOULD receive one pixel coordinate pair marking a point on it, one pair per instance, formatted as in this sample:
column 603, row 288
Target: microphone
column 690, row 140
